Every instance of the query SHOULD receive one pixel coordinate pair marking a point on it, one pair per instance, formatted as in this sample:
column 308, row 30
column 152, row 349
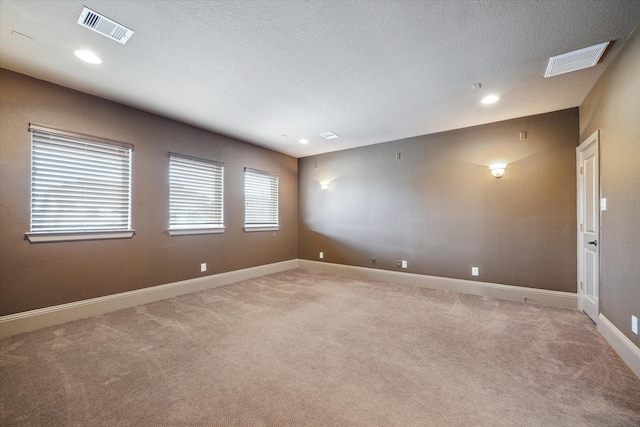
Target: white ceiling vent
column 329, row 135
column 576, row 60
column 105, row 26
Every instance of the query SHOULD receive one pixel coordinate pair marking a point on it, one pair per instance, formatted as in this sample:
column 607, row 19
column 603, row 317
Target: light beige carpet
column 302, row 348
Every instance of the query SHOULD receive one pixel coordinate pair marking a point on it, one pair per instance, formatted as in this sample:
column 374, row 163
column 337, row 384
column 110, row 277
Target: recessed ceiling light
column 329, row 135
column 304, row 141
column 87, row 56
column 490, row 99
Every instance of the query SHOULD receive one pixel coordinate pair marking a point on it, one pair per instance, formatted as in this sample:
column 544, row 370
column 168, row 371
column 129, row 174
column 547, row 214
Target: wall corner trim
column 26, row 321
column 626, row 349
column 493, row 290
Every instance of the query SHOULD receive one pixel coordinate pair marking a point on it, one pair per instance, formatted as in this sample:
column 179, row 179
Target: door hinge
column 581, row 284
column 580, row 227
column 580, row 170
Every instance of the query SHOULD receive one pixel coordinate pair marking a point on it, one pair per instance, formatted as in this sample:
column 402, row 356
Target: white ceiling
column 369, row 71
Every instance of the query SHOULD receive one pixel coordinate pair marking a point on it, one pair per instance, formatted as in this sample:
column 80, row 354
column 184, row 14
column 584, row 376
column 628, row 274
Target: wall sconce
column 324, row 185
column 497, row 169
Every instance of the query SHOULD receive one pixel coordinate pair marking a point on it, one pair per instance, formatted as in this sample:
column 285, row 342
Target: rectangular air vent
column 329, row 135
column 105, row 26
column 576, row 60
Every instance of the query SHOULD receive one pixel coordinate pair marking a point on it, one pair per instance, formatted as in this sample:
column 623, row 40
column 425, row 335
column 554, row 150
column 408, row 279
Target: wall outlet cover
column 203, row 267
column 634, row 325
column 321, row 255
column 474, row 271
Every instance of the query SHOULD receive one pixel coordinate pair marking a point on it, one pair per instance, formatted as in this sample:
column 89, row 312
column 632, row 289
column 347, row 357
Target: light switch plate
column 603, row 204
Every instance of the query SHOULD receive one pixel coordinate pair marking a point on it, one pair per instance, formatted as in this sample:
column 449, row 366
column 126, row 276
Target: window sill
column 249, row 229
column 192, row 231
column 78, row 236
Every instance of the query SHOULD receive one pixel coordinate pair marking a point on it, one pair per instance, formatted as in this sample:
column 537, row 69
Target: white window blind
column 260, row 200
column 196, row 188
column 79, row 186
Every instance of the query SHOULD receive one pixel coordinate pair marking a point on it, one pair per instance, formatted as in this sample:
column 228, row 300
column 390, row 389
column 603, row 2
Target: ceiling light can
column 88, row 56
column 490, row 99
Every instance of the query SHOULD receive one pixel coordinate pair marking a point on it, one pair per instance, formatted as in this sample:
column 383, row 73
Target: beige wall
column 613, row 106
column 439, row 208
column 39, row 275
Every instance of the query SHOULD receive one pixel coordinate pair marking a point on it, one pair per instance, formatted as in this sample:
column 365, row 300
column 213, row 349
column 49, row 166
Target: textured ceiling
column 370, row 71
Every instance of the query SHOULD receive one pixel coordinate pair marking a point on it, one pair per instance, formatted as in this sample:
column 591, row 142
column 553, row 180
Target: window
column 260, row 201
column 80, row 187
column 195, row 195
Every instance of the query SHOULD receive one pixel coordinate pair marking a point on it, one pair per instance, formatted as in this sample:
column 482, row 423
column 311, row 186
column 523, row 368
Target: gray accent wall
column 39, row 275
column 439, row 208
column 613, row 106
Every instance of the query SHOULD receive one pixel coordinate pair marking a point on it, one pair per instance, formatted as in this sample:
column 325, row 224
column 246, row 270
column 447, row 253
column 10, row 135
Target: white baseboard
column 14, row 324
column 627, row 350
column 494, row 290
column 18, row 323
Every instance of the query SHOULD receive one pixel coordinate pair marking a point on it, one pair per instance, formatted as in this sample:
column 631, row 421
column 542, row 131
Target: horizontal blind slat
column 261, row 198
column 196, row 190
column 79, row 185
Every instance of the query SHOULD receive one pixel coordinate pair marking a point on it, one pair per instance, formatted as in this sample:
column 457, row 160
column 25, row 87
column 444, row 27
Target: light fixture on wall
column 497, row 169
column 324, row 185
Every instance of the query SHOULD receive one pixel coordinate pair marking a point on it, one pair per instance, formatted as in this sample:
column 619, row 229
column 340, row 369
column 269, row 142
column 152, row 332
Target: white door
column 589, row 225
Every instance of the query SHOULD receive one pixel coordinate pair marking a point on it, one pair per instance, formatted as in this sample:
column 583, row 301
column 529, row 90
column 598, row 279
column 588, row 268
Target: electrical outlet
column 474, row 271
column 634, row 325
column 404, row 264
column 321, row 255
column 399, row 264
column 203, row 267
column 373, row 260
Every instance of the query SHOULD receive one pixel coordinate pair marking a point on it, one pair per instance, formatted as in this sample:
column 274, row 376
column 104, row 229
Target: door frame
column 593, row 138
